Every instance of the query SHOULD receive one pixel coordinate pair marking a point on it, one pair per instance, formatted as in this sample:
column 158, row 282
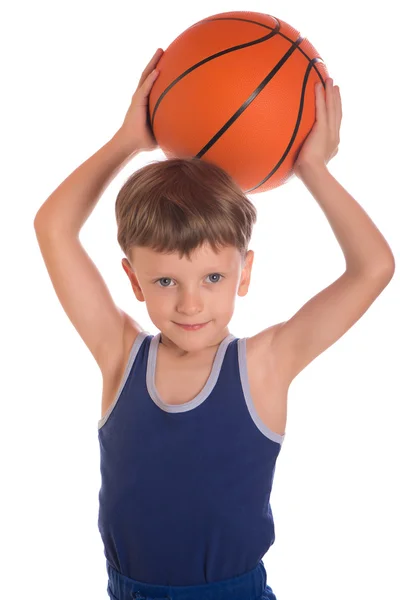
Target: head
column 184, row 226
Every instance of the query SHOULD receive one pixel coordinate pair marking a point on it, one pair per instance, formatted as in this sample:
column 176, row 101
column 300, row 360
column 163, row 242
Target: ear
column 133, row 279
column 246, row 274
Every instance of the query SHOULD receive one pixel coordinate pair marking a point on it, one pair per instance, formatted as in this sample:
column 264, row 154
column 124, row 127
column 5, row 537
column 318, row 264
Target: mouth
column 192, row 326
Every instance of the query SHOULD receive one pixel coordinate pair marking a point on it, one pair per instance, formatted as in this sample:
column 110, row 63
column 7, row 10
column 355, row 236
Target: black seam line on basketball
column 250, row 99
column 208, row 59
column 299, row 115
column 275, row 31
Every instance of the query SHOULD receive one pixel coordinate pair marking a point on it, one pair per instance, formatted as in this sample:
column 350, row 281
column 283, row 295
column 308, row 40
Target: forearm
column 364, row 247
column 70, row 205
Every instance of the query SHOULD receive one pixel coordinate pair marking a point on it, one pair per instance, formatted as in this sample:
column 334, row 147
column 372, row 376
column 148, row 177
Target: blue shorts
column 250, row 586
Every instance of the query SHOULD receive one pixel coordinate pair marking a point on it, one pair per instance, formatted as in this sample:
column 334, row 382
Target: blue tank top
column 185, row 489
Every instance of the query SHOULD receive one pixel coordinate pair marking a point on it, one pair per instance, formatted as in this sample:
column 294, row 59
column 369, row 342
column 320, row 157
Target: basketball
column 237, row 89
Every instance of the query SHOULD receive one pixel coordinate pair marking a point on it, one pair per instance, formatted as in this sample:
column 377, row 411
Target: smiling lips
column 196, row 326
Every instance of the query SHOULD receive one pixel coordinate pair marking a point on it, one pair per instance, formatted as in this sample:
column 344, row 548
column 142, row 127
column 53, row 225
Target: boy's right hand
column 135, row 132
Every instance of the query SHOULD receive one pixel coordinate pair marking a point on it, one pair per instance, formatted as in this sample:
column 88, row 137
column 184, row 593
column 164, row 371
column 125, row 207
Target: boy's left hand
column 321, row 144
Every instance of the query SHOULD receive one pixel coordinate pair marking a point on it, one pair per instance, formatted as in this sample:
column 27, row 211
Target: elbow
column 38, row 221
column 386, row 270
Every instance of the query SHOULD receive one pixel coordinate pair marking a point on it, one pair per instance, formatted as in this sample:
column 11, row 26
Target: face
column 200, row 290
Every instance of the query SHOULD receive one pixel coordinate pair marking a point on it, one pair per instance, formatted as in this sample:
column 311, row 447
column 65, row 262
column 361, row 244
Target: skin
column 189, row 291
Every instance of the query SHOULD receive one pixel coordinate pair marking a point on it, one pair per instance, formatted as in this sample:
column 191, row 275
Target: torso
column 269, row 395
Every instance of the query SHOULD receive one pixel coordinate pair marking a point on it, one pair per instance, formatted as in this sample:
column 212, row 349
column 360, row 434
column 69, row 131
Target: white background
column 68, row 73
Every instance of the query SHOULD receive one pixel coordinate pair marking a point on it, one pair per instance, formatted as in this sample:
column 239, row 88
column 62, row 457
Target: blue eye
column 217, row 274
column 163, row 279
column 169, row 279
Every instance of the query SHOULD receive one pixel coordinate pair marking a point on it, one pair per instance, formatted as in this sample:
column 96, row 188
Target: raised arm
column 370, row 266
column 77, row 282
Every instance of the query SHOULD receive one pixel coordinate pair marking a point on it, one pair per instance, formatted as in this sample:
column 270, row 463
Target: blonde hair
column 176, row 205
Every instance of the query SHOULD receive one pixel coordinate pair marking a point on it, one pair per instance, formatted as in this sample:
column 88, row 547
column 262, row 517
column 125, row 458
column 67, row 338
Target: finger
column 151, row 65
column 148, row 84
column 339, row 113
column 155, row 58
column 320, row 104
column 330, row 105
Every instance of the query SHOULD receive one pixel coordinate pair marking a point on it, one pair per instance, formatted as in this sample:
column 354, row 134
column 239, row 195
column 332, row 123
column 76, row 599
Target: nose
column 190, row 303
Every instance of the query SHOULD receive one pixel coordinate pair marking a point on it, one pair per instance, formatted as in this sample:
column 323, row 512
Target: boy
column 193, row 418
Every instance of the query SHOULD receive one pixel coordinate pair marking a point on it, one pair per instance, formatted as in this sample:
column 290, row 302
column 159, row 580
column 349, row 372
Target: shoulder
column 120, row 355
column 131, row 330
column 263, row 341
column 263, row 355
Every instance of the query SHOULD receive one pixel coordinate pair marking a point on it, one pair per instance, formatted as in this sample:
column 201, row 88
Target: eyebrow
column 210, row 270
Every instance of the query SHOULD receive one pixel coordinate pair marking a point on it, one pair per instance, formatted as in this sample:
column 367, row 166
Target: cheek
column 160, row 301
column 223, row 303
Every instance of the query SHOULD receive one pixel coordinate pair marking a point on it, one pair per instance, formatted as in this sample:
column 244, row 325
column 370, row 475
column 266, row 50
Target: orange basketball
column 237, row 89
